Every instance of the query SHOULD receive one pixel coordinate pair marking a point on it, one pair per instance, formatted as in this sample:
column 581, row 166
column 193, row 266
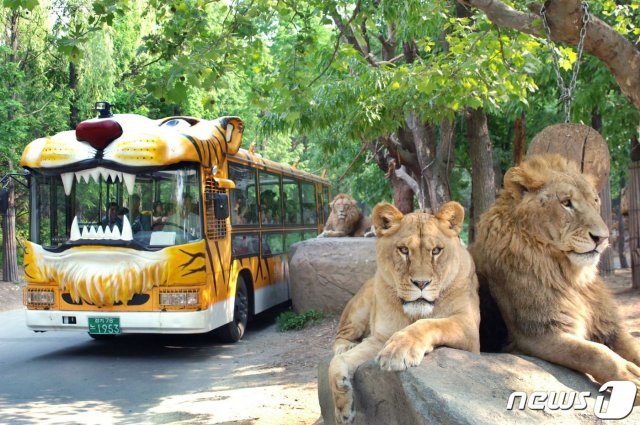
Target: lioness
column 345, row 219
column 537, row 248
column 424, row 295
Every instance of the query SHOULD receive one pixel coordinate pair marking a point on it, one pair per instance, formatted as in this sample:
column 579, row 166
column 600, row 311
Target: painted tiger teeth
column 98, row 233
column 129, row 180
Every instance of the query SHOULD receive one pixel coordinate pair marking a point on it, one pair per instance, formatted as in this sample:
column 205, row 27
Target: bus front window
column 160, row 208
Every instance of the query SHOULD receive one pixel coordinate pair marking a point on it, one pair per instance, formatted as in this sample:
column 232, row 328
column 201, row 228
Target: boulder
column 324, row 273
column 456, row 387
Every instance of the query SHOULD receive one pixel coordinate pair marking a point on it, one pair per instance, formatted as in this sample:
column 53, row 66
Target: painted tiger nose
column 421, row 284
column 98, row 132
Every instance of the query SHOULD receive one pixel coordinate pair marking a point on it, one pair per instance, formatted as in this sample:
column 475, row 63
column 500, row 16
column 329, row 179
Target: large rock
column 324, row 273
column 457, row 387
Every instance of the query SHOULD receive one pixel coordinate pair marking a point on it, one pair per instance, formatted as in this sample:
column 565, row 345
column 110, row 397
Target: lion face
column 419, row 253
column 344, row 208
column 558, row 206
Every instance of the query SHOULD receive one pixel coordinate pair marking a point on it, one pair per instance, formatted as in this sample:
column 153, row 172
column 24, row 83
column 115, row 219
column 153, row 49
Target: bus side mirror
column 221, row 206
column 4, row 201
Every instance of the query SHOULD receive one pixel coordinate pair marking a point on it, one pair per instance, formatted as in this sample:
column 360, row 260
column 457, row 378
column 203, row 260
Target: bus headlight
column 179, row 298
column 40, row 297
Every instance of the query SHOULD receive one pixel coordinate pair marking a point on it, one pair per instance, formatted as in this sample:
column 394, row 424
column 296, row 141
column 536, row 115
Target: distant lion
column 345, row 219
column 424, row 295
column 537, row 250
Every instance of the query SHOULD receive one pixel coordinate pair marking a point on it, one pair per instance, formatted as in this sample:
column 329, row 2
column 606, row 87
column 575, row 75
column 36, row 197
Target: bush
column 290, row 320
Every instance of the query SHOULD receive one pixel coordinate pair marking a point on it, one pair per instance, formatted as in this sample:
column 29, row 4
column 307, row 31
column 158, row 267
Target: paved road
column 60, row 377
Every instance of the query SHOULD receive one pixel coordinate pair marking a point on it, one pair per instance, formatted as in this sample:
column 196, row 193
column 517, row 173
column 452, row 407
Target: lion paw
column 400, row 352
column 342, row 345
column 343, row 401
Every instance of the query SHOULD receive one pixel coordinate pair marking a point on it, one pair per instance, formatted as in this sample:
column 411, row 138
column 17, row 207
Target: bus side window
column 270, row 198
column 325, row 203
column 243, row 202
column 291, row 200
column 309, row 212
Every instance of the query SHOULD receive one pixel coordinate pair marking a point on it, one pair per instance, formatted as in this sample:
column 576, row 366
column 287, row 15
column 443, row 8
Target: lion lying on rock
column 345, row 219
column 424, row 295
column 537, row 250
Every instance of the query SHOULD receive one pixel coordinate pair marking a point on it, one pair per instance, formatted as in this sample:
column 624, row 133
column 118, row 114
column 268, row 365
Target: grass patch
column 290, row 320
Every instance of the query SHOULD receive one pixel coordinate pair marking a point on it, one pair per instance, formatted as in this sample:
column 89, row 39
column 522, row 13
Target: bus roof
column 256, row 160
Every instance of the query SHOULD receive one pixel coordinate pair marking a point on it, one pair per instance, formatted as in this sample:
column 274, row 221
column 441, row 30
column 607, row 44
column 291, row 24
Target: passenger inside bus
column 240, row 210
column 111, row 219
column 135, row 215
column 270, row 207
column 158, row 217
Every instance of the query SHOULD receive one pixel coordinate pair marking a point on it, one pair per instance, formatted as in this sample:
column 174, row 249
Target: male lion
column 345, row 219
column 424, row 295
column 537, row 248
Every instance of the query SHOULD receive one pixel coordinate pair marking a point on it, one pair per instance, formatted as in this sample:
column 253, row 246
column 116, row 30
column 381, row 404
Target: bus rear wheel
column 234, row 331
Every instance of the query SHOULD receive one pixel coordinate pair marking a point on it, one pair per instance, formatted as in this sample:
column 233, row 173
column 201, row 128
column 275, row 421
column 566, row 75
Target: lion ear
column 518, row 180
column 386, row 219
column 452, row 214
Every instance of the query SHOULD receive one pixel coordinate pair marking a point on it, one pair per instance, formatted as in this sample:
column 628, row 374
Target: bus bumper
column 170, row 322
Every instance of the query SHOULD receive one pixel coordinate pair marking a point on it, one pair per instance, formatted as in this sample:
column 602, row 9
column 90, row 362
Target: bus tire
column 234, row 331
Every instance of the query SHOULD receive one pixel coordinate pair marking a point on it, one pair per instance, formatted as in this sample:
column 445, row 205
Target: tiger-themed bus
column 160, row 226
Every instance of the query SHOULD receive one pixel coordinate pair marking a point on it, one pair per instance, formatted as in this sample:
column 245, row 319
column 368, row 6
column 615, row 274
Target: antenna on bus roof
column 295, row 164
column 252, row 148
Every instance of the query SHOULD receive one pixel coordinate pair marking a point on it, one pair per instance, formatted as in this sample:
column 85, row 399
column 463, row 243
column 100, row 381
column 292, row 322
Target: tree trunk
column 10, row 264
column 402, row 191
column 606, row 259
column 564, row 16
column 621, row 230
column 481, row 155
column 634, row 213
column 73, row 105
column 402, row 195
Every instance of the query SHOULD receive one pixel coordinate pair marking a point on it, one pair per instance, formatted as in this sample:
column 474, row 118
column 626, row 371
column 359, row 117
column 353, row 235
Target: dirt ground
column 298, row 403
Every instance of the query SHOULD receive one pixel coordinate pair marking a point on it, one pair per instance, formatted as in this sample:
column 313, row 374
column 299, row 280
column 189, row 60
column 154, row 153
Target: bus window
column 244, row 202
column 291, row 193
column 291, row 238
column 272, row 244
column 270, row 197
column 309, row 212
column 245, row 244
column 309, row 235
column 325, row 203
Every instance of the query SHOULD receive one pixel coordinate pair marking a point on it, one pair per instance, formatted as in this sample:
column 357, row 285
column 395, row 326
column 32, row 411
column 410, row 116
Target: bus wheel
column 234, row 331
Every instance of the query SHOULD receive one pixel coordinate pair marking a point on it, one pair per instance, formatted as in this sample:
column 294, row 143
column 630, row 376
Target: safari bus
column 160, row 226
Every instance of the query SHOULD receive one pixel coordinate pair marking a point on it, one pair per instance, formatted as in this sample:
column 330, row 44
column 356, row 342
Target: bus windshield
column 152, row 209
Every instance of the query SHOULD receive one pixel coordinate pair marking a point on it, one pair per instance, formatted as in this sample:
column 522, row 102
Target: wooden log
column 579, row 143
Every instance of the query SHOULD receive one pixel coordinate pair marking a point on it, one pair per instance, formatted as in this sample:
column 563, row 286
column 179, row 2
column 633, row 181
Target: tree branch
column 564, row 17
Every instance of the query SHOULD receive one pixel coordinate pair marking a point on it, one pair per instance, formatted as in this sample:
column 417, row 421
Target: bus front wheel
column 234, row 331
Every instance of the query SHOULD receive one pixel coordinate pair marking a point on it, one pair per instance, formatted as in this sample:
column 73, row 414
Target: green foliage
column 289, row 320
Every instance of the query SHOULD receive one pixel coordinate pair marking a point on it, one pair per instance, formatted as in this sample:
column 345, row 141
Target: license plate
column 104, row 325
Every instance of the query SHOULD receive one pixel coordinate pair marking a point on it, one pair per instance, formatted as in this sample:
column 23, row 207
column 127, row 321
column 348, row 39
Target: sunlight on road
column 44, row 413
column 275, row 404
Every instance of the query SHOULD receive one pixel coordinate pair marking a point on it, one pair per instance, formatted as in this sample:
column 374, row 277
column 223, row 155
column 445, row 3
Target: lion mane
column 345, row 219
column 536, row 252
column 424, row 295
